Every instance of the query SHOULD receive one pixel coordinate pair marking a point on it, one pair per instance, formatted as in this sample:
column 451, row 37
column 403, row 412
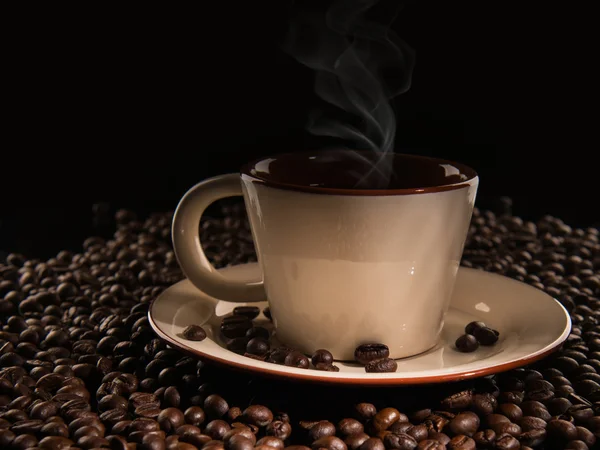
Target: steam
column 360, row 64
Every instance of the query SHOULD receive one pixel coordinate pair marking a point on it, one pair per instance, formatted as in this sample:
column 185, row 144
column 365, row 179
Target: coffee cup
column 347, row 257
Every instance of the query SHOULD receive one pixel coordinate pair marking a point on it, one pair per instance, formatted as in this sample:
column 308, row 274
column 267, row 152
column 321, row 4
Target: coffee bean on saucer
column 296, row 359
column 381, row 365
column 486, row 336
column 366, row 353
column 472, row 326
column 194, row 333
column 251, row 312
column 327, row 367
column 258, row 346
column 278, row 355
column 467, row 343
column 322, row 356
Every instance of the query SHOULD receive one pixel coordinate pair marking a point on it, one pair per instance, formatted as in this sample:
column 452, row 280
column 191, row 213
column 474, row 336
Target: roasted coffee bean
column 529, row 423
column 467, row 343
column 472, row 326
column 485, row 438
column 385, row 418
column 465, row 423
column 354, row 441
column 484, row 404
column 296, row 359
column 399, row 441
column 327, row 367
column 278, row 355
column 194, row 333
column 381, row 366
column 194, row 415
column 170, row 419
column 322, row 356
column 533, row 438
column 251, row 312
column 511, row 411
column 462, row 442
column 366, row 353
column 460, row 400
column 258, row 415
column 506, row 442
column 258, row 346
column 321, row 429
column 216, row 429
column 329, row 443
column 215, row 406
column 279, row 429
column 507, row 428
column 347, row 427
column 272, row 442
column 486, row 336
column 535, row 409
column 430, row 445
column 366, row 411
column 561, row 429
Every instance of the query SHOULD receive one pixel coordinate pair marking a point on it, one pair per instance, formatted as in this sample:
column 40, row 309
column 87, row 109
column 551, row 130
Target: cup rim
column 472, row 177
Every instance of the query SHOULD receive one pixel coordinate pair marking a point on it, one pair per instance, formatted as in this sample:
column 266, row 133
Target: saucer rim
column 363, row 380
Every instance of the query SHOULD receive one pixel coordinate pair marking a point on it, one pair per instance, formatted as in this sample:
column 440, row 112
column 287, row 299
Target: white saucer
column 531, row 324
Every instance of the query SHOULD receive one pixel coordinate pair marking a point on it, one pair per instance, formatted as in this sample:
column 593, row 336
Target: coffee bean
column 329, row 443
column 322, row 356
column 170, row 419
column 215, row 406
column 366, row 411
column 472, row 326
column 271, row 442
column 460, row 400
column 194, row 333
column 486, row 336
column 296, row 359
column 366, row 353
column 387, row 417
column 506, row 442
column 194, row 415
column 399, row 441
column 348, row 426
column 462, row 442
column 321, row 429
column 484, row 404
column 251, row 312
column 279, row 429
column 381, row 366
column 485, row 438
column 465, row 423
column 585, row 435
column 216, row 429
column 258, row 346
column 327, row 367
column 576, row 445
column 511, row 411
column 258, row 415
column 561, row 429
column 467, row 343
column 354, row 441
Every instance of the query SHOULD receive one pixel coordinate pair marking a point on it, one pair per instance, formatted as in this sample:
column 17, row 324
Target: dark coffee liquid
column 363, row 171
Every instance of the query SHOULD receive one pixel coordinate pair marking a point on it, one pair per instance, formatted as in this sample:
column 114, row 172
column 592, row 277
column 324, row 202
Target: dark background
column 134, row 106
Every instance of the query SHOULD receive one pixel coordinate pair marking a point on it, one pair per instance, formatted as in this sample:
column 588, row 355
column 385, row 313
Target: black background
column 133, row 106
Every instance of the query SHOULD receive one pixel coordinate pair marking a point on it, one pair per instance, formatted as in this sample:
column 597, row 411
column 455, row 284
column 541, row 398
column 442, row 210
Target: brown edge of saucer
column 471, row 173
column 460, row 376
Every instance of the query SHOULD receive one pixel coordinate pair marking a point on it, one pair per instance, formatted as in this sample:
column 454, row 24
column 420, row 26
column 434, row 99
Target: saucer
column 531, row 324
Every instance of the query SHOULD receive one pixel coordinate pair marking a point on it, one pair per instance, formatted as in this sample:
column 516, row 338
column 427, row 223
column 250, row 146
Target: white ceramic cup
column 342, row 265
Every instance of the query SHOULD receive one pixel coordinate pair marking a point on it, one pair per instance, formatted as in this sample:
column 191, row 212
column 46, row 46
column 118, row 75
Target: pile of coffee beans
column 476, row 333
column 81, row 368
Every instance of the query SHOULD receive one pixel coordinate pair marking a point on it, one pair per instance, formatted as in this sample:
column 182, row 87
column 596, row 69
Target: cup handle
column 188, row 248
